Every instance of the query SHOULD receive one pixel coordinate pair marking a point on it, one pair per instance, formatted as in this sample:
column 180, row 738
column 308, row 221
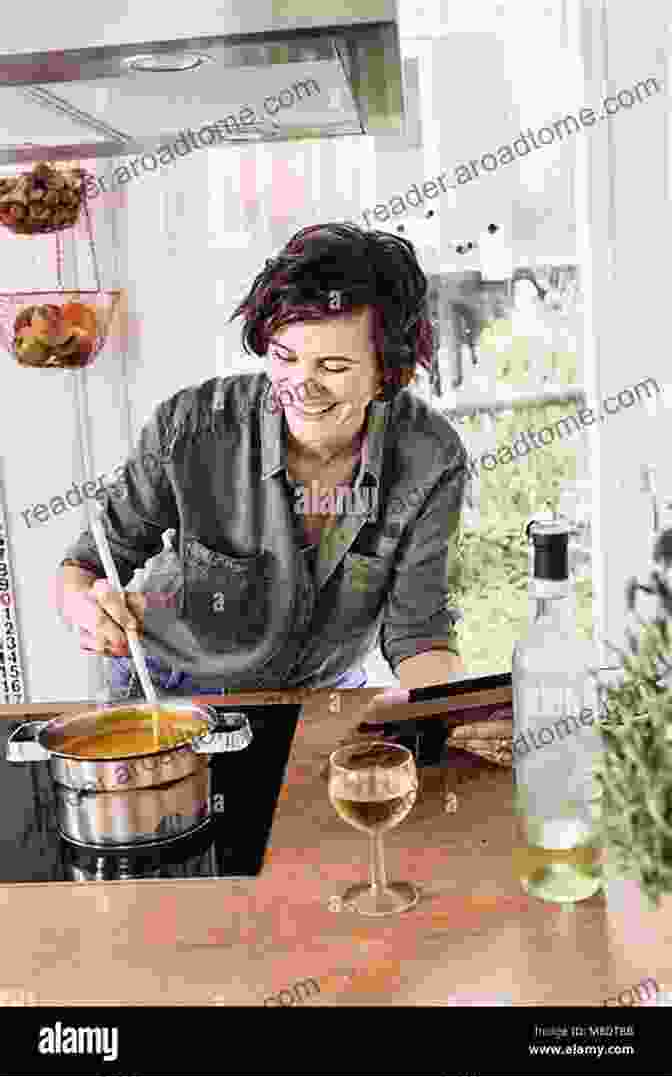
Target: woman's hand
column 381, row 708
column 103, row 616
column 114, row 614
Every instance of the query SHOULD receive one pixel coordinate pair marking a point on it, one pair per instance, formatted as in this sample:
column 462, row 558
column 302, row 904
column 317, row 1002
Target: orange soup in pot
column 127, row 733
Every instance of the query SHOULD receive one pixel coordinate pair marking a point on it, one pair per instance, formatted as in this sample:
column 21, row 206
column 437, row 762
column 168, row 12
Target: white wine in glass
column 373, row 787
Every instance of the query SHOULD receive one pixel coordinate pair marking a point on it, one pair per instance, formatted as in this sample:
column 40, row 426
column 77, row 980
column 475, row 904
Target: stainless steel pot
column 141, row 797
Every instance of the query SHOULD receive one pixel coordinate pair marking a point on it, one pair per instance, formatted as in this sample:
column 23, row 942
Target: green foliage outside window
column 494, row 592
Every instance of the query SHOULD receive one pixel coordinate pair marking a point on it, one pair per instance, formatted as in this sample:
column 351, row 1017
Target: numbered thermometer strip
column 12, row 684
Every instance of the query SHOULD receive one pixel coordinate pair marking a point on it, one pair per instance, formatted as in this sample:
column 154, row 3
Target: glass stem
column 378, row 878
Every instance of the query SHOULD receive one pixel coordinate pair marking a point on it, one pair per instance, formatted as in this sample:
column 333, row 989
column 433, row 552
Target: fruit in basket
column 29, row 349
column 43, row 200
column 79, row 346
column 82, row 316
column 51, row 335
column 47, row 325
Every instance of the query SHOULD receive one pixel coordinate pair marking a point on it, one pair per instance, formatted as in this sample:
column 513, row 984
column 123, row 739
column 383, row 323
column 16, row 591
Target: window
column 508, row 315
column 509, row 379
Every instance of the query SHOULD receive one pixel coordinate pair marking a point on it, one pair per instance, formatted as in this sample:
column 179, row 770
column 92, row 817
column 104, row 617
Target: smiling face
column 324, row 374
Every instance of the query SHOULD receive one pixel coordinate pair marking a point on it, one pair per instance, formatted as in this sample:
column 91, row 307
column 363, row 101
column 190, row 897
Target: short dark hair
column 369, row 269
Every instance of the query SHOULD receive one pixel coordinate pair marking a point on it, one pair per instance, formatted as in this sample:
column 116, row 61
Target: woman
column 317, row 505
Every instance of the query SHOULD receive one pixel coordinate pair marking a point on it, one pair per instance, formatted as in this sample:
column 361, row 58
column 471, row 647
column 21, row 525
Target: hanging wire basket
column 62, row 329
column 43, row 200
column 56, row 330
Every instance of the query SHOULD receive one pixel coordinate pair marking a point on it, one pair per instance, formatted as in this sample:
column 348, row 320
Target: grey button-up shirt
column 254, row 606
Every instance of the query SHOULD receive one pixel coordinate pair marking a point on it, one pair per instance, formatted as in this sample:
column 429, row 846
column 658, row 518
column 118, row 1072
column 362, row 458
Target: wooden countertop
column 474, row 937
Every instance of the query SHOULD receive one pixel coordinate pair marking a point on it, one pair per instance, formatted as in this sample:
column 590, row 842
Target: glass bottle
column 556, row 739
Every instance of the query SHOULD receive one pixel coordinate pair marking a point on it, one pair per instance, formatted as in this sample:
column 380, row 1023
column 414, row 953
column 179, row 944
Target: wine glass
column 373, row 787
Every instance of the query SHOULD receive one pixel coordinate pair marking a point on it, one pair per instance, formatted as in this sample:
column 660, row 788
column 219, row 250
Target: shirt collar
column 274, row 439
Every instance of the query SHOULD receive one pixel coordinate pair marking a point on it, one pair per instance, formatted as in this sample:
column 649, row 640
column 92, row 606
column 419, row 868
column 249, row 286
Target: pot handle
column 235, row 735
column 22, row 744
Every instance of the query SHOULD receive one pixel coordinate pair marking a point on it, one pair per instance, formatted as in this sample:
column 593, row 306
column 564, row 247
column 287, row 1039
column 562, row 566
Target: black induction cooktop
column 230, row 843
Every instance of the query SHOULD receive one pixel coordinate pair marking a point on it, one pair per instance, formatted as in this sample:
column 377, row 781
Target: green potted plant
column 634, row 774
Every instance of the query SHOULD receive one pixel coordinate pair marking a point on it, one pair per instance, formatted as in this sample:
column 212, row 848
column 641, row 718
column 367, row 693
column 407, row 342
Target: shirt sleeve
column 137, row 508
column 422, row 608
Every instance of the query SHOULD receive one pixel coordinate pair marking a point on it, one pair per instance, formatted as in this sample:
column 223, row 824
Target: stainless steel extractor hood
column 327, row 76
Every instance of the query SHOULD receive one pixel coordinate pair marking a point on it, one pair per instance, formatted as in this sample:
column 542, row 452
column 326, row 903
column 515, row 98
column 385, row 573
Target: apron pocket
column 226, row 599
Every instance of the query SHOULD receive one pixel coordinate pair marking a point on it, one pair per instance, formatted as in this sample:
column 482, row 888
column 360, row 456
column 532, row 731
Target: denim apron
column 123, row 682
column 161, row 575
